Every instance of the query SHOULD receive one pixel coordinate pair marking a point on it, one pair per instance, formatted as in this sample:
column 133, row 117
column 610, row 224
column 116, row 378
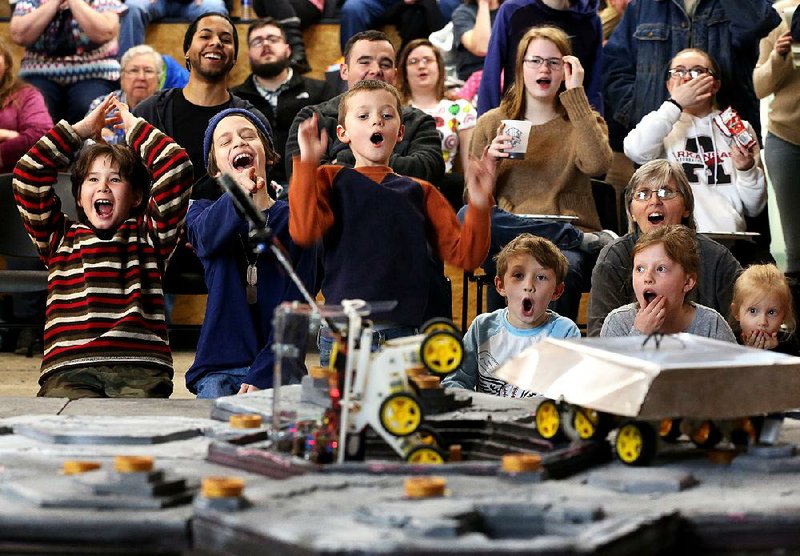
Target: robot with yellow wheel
column 376, row 390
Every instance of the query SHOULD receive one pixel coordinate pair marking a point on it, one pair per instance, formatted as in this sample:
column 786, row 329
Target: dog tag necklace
column 251, row 273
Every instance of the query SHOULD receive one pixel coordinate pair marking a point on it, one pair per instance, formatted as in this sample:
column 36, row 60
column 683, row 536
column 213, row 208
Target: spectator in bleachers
column 357, row 16
column 726, row 177
column 293, row 16
column 472, row 28
column 274, row 87
column 776, row 75
column 611, row 15
column 658, row 195
column 577, row 18
column 142, row 69
column 568, row 143
column 70, row 51
column 142, row 13
column 23, row 113
column 23, row 120
column 421, row 85
column 210, row 45
column 652, row 32
column 370, row 55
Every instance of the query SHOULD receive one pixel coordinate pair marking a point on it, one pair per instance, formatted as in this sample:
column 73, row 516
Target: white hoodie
column 723, row 195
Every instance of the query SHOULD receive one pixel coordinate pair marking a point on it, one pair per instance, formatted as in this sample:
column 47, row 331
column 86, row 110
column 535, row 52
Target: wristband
column 676, row 103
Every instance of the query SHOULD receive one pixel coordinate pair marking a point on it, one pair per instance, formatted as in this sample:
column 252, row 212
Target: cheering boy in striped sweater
column 105, row 332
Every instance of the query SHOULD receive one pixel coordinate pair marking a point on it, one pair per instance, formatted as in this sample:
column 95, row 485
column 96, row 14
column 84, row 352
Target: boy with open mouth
column 105, row 331
column 530, row 274
column 378, row 228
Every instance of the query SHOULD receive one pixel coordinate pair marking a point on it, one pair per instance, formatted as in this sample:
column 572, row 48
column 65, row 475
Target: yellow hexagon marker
column 425, row 487
column 521, row 463
column 73, row 467
column 222, row 487
column 245, row 421
column 133, row 464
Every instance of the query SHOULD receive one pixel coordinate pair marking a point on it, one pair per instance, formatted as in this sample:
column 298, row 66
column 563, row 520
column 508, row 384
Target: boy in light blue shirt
column 530, row 274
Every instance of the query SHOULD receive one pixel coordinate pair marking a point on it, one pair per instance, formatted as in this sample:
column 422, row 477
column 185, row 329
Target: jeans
column 221, row 383
column 70, row 102
column 325, row 340
column 506, row 226
column 782, row 160
column 133, row 23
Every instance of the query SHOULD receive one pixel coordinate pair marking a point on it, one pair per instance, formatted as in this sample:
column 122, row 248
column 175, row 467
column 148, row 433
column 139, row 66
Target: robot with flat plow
column 653, row 392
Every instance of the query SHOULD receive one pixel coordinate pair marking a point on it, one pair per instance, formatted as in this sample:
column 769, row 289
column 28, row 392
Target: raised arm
column 774, row 63
column 214, row 226
column 751, row 20
column 99, row 25
column 476, row 40
column 27, row 25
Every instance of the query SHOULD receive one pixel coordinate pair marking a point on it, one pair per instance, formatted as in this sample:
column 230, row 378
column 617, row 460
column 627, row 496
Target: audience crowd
column 675, row 85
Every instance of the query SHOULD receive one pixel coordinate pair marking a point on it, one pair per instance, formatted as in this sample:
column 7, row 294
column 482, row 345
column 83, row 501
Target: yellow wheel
column 401, row 414
column 589, row 424
column 669, row 430
column 425, row 455
column 441, row 352
column 636, row 443
column 438, row 323
column 706, row 435
column 548, row 420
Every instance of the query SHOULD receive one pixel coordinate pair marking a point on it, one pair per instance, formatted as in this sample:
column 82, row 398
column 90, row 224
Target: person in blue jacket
column 652, row 32
column 243, row 288
column 577, row 18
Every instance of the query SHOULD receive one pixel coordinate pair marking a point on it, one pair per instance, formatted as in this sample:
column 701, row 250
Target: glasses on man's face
column 258, row 42
column 427, row 60
column 554, row 64
column 694, row 72
column 662, row 193
column 147, row 72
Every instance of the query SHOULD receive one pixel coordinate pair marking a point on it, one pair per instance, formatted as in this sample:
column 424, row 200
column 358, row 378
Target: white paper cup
column 519, row 131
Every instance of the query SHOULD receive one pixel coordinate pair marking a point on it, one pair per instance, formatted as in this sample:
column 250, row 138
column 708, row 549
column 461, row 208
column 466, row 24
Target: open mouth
column 103, row 207
column 527, row 305
column 649, row 296
column 376, row 138
column 544, row 81
column 655, row 218
column 242, row 161
column 216, row 56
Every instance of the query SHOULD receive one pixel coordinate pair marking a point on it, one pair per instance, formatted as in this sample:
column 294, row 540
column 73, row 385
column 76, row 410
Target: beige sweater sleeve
column 591, row 132
column 772, row 69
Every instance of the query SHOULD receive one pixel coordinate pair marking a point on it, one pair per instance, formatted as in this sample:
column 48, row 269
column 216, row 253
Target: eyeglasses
column 694, row 73
column 662, row 193
column 536, row 61
column 148, row 72
column 258, row 42
column 427, row 60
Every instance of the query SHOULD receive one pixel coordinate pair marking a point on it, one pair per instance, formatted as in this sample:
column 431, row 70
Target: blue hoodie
column 513, row 20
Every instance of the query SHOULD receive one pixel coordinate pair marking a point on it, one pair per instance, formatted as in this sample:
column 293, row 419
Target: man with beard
column 274, row 87
column 210, row 47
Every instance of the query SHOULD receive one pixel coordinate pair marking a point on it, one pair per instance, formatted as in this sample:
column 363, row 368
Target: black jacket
column 299, row 92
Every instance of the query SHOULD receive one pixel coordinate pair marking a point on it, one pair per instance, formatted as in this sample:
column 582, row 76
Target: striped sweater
column 105, row 304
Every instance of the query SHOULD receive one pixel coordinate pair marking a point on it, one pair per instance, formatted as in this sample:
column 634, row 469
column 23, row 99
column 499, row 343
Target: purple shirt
column 26, row 113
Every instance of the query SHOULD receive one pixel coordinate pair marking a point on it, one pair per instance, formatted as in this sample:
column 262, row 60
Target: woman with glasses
column 70, row 51
column 726, row 177
column 568, row 143
column 421, row 85
column 658, row 195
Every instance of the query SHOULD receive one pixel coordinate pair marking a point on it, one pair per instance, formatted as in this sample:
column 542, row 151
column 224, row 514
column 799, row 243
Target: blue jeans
column 325, row 340
column 134, row 22
column 783, row 165
column 506, row 226
column 220, row 383
column 70, row 102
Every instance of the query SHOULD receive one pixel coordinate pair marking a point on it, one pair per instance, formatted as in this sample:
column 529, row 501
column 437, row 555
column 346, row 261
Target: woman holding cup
column 567, row 143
